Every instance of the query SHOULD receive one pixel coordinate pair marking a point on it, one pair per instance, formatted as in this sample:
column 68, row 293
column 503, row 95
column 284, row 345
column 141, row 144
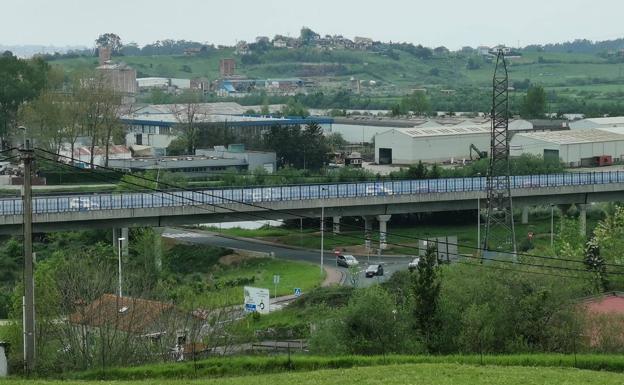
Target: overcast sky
column 453, row 23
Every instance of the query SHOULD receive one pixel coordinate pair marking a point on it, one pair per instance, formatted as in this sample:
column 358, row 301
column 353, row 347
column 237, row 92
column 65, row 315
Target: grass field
column 401, row 239
column 292, row 274
column 473, row 369
column 433, row 374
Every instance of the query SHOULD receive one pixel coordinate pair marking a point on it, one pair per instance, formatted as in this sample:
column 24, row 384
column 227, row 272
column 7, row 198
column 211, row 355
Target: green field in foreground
column 442, row 374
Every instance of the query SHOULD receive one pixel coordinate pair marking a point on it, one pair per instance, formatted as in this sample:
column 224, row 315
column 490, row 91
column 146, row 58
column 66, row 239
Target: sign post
column 276, row 279
column 256, row 300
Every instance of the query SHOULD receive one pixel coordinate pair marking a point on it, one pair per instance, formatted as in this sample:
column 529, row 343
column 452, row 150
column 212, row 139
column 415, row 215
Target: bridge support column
column 336, row 227
column 582, row 219
column 383, row 230
column 368, row 231
column 525, row 215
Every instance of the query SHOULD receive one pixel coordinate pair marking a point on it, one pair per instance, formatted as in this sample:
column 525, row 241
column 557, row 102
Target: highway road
column 56, row 203
column 390, row 264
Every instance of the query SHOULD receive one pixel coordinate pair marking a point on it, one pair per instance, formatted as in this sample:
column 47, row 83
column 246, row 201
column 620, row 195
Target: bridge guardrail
column 258, row 195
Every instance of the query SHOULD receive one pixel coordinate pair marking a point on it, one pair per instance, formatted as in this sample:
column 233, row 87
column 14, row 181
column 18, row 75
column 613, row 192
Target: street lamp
column 24, row 132
column 552, row 224
column 322, row 228
column 479, row 213
column 120, row 240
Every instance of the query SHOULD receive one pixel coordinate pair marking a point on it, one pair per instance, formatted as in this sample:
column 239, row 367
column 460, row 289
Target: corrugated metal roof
column 591, row 135
column 444, row 130
column 606, row 121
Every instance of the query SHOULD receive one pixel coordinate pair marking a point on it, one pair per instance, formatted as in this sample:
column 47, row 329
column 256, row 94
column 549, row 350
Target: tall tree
column 189, row 115
column 110, row 40
column 534, row 103
column 426, row 291
column 21, row 81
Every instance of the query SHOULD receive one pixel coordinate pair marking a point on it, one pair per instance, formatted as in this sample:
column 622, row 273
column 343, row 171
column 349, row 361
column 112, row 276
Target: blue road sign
column 250, row 307
column 297, row 292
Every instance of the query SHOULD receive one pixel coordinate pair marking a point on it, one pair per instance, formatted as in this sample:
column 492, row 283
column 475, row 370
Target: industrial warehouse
column 575, row 148
column 433, row 142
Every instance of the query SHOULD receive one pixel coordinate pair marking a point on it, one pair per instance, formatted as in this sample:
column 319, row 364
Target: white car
column 414, row 264
column 346, row 260
column 378, row 190
column 83, row 204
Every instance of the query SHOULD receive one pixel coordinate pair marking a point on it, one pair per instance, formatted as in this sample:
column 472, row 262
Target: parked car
column 83, row 204
column 374, row 270
column 378, row 190
column 414, row 264
column 346, row 260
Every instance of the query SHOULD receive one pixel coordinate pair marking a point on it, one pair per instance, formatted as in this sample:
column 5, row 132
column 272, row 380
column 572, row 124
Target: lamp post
column 552, row 224
column 120, row 240
column 479, row 214
column 24, row 132
column 323, row 189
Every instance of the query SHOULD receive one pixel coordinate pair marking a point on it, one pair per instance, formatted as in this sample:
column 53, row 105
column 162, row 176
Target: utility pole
column 27, row 155
column 499, row 231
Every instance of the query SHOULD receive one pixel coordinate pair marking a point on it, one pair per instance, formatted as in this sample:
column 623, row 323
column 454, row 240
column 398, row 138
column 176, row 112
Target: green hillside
column 573, row 75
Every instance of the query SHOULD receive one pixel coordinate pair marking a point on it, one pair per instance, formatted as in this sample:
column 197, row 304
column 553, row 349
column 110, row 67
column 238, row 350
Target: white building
column 574, row 148
column 83, row 154
column 430, row 144
column 597, row 123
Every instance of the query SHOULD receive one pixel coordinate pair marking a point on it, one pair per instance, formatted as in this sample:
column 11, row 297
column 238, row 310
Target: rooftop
column 574, row 136
column 415, row 132
column 614, row 120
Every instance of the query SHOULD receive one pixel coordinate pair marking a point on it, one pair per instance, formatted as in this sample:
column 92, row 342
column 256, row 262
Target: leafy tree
column 426, row 292
column 21, row 80
column 534, row 103
column 295, row 108
column 110, row 40
column 417, row 102
column 307, row 36
column 335, row 141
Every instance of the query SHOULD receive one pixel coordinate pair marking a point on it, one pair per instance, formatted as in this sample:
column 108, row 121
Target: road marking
column 182, row 235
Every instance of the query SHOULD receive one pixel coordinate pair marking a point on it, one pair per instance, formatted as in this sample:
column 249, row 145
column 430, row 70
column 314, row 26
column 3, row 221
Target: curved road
column 390, row 264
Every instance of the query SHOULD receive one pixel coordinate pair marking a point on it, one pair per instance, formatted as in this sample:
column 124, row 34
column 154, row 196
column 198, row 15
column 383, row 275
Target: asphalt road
column 390, row 264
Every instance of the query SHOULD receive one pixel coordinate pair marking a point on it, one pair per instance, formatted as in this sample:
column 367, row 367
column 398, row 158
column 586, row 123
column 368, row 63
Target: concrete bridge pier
column 336, row 225
column 121, row 233
column 383, row 230
column 368, row 230
column 582, row 208
column 525, row 215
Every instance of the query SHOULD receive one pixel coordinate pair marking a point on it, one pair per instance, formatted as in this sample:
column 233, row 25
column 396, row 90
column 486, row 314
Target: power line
column 344, row 235
column 307, row 217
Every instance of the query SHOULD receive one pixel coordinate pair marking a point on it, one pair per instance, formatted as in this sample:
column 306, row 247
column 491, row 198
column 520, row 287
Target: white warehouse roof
column 598, row 122
column 590, row 135
column 444, row 131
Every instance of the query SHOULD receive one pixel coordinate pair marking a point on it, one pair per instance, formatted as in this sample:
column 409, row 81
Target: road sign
column 276, row 279
column 256, row 299
column 297, row 292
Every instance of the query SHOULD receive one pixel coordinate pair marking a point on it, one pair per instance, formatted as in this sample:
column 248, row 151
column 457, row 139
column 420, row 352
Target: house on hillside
column 150, row 325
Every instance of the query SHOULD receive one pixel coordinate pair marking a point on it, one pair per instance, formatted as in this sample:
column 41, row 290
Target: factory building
column 430, row 144
column 205, row 162
column 575, row 148
column 599, row 123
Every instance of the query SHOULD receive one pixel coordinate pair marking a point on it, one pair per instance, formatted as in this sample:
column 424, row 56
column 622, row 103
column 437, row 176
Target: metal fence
column 258, row 195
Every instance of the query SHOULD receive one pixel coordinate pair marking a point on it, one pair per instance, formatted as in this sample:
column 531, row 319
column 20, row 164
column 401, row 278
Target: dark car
column 374, row 270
